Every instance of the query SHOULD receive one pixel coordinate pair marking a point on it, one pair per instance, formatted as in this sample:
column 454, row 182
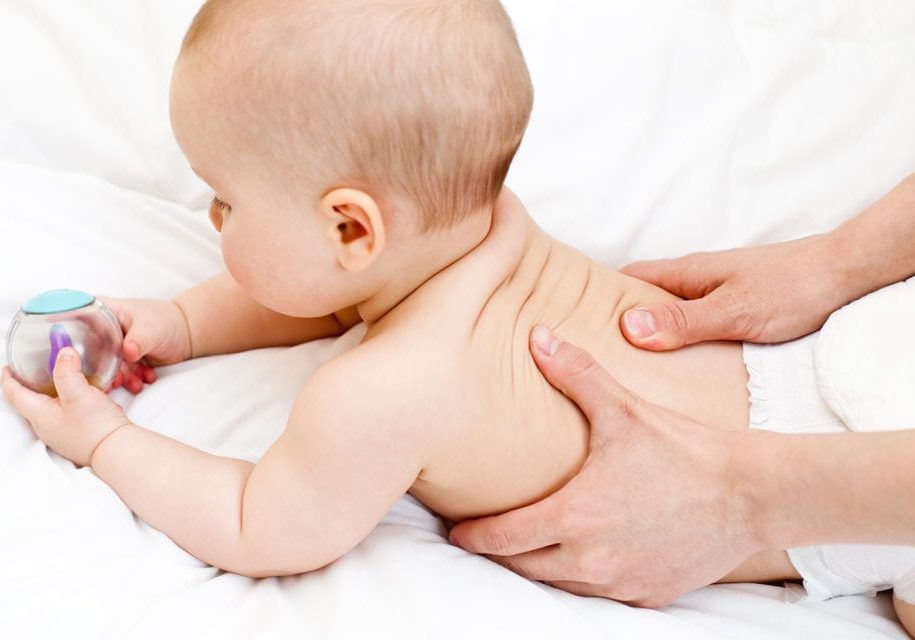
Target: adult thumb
column 602, row 399
column 674, row 325
column 68, row 375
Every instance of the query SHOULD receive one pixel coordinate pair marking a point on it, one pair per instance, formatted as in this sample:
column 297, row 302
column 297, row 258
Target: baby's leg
column 765, row 566
column 906, row 613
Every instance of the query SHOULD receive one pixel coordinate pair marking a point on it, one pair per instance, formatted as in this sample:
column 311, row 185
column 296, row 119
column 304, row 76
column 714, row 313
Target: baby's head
column 341, row 136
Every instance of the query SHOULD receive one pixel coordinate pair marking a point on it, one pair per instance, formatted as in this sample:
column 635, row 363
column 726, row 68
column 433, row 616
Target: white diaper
column 832, row 570
column 857, row 373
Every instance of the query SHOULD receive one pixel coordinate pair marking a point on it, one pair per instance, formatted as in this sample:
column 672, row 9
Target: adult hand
column 685, row 526
column 770, row 293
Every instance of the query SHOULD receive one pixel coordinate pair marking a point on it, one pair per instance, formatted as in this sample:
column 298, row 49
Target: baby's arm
column 222, row 318
column 315, row 494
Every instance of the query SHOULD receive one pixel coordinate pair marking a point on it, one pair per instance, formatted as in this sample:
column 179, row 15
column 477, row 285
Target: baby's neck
column 439, row 250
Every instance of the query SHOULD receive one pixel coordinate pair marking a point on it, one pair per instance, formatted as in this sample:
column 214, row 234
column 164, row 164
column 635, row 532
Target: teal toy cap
column 58, row 301
column 58, row 319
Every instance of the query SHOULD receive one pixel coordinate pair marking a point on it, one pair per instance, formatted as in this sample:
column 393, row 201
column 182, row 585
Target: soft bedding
column 661, row 127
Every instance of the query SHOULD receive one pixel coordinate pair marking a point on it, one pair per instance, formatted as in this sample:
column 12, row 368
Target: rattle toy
column 57, row 319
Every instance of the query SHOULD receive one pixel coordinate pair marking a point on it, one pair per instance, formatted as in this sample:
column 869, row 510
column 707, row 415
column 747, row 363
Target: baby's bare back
column 505, row 437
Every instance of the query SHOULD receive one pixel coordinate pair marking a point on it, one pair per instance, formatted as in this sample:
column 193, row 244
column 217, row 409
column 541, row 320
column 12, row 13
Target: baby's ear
column 355, row 227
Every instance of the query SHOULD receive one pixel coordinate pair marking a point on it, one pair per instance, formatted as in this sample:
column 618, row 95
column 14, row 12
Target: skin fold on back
column 505, row 437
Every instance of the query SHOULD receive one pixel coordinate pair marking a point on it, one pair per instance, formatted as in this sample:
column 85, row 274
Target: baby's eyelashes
column 218, row 209
column 219, row 205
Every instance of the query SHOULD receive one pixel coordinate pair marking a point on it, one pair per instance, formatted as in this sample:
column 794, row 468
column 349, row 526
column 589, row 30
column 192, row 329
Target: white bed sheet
column 660, row 127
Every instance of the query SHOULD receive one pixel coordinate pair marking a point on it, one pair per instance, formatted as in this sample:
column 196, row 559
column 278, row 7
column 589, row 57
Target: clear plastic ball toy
column 63, row 318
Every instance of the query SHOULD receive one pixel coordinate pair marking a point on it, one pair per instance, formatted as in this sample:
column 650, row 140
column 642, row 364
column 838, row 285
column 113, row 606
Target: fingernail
column 545, row 341
column 640, row 323
column 65, row 354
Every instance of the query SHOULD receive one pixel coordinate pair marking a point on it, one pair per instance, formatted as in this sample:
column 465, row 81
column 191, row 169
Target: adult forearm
column 805, row 489
column 191, row 496
column 222, row 318
column 877, row 247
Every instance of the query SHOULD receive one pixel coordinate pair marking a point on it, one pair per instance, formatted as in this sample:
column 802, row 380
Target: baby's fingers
column 147, row 373
column 132, row 377
column 26, row 402
column 117, row 382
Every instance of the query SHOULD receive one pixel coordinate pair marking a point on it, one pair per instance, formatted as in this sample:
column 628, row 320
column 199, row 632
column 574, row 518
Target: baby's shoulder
column 385, row 386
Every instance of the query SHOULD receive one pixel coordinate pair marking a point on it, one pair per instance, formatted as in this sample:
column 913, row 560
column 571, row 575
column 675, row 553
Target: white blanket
column 660, row 127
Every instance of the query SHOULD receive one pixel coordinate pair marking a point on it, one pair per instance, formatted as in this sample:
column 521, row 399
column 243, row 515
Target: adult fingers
column 25, row 401
column 686, row 277
column 545, row 564
column 573, row 371
column 679, row 323
column 581, row 588
column 511, row 533
column 611, row 592
column 68, row 375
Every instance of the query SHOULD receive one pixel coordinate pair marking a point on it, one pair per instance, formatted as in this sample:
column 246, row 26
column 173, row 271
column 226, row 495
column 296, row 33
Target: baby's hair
column 425, row 99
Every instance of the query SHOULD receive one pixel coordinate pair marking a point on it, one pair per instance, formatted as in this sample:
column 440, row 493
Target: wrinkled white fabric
column 836, row 570
column 865, row 360
column 783, row 388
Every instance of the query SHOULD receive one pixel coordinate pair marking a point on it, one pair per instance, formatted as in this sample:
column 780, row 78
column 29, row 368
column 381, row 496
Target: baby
column 358, row 150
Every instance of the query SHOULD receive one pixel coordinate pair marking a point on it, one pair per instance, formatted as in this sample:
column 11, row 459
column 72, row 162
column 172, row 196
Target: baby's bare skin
column 507, row 437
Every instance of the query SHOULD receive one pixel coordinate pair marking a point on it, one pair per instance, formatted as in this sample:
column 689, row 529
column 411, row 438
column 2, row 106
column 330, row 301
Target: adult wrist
column 876, row 247
column 852, row 270
column 800, row 489
column 758, row 484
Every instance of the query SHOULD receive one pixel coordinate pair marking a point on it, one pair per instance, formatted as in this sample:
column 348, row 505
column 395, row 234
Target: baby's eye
column 219, row 206
column 218, row 210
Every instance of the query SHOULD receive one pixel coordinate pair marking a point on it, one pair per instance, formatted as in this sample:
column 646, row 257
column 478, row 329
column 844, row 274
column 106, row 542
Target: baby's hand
column 155, row 334
column 74, row 423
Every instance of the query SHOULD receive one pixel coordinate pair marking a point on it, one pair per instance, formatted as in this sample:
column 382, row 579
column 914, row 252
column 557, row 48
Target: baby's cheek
column 234, row 261
column 249, row 266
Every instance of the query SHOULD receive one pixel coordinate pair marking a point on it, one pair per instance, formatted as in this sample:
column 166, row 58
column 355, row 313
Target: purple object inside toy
column 59, row 339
